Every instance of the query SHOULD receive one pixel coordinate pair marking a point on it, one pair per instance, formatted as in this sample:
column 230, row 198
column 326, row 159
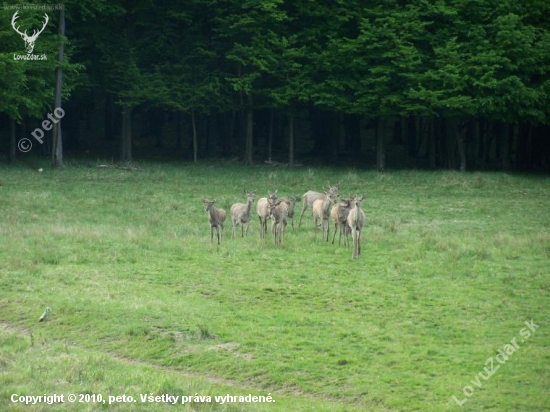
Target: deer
column 262, row 209
column 311, row 196
column 339, row 214
column 291, row 202
column 356, row 220
column 278, row 210
column 29, row 40
column 216, row 218
column 240, row 214
column 321, row 211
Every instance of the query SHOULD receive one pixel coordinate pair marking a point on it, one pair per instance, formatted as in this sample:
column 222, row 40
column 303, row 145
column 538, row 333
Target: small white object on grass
column 46, row 313
column 40, row 170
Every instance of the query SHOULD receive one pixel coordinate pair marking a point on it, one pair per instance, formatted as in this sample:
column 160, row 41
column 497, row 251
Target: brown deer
column 311, row 196
column 356, row 220
column 216, row 218
column 339, row 214
column 321, row 211
column 278, row 211
column 262, row 209
column 291, row 202
column 240, row 214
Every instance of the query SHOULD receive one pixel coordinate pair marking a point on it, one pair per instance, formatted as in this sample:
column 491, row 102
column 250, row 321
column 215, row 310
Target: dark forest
column 461, row 85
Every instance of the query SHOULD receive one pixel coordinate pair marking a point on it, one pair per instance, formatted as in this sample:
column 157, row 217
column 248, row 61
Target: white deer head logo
column 29, row 40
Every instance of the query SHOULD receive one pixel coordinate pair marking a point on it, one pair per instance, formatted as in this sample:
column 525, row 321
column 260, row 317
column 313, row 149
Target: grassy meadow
column 452, row 265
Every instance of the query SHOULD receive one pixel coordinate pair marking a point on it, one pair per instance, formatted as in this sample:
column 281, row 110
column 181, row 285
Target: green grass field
column 452, row 265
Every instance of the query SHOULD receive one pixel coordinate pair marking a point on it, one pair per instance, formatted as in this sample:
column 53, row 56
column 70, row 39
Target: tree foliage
column 426, row 59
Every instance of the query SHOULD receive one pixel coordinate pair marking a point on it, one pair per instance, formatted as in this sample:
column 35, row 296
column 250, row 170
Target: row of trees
column 455, row 83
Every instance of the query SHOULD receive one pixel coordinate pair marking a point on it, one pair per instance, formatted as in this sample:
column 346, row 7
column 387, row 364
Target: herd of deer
column 347, row 215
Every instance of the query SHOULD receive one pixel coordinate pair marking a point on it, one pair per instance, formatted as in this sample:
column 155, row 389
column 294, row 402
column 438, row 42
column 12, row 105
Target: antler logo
column 29, row 40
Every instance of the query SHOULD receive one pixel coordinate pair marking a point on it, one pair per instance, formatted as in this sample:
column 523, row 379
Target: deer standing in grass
column 356, row 220
column 278, row 210
column 291, row 202
column 240, row 214
column 262, row 209
column 216, row 217
column 310, row 196
column 321, row 211
column 339, row 214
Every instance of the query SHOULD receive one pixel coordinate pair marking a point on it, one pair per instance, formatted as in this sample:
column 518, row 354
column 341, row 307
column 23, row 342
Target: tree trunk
column 380, row 153
column 505, row 146
column 450, row 138
column 432, row 143
column 249, row 131
column 514, row 144
column 235, row 127
column 525, row 146
column 157, row 128
column 23, row 134
column 341, row 132
column 179, row 131
column 195, row 143
column 270, row 141
column 475, row 141
column 212, row 134
column 483, row 139
column 334, row 136
column 461, row 152
column 57, row 141
column 414, row 127
column 202, row 131
column 400, row 131
column 439, row 136
column 460, row 135
column 423, row 138
column 488, row 144
column 13, row 144
column 126, row 136
column 353, row 132
column 109, row 126
column 290, row 140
